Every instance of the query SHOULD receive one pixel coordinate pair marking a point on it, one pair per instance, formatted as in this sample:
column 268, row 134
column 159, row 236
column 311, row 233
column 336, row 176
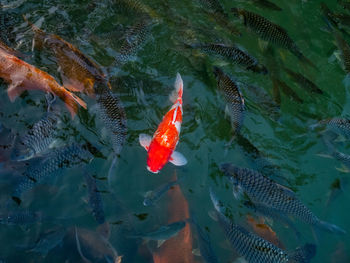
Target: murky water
column 144, row 84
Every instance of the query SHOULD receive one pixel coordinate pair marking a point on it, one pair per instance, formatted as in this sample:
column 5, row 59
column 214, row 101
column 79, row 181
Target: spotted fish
column 270, row 32
column 266, row 5
column 233, row 98
column 95, row 199
column 338, row 125
column 255, row 248
column 303, row 81
column 38, row 138
column 20, row 217
column 49, row 166
column 233, row 54
column 263, row 190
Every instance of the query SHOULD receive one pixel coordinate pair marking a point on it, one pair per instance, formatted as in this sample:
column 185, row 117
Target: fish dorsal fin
column 303, row 254
column 177, row 159
column 145, row 140
column 286, row 190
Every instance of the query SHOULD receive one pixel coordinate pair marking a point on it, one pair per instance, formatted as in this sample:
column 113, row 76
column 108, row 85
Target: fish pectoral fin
column 160, row 243
column 145, row 140
column 238, row 192
column 178, row 159
column 286, row 189
column 196, row 252
column 263, row 44
column 14, row 90
column 213, row 215
column 343, row 169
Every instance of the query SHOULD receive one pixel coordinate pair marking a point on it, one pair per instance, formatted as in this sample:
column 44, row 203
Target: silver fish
column 153, row 196
column 20, row 217
column 49, row 166
column 48, row 241
column 233, row 54
column 162, row 233
column 255, row 248
column 233, row 98
column 38, row 138
column 263, row 190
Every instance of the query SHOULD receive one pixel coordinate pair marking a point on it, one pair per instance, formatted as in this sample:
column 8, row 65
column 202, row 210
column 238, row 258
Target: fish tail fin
column 258, row 68
column 346, row 81
column 303, row 254
column 72, row 101
column 14, row 90
column 79, row 247
column 34, row 27
column 178, row 88
column 330, row 227
column 111, row 170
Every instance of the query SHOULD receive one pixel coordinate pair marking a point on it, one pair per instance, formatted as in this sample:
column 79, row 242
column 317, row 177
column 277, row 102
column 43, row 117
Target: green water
column 144, row 84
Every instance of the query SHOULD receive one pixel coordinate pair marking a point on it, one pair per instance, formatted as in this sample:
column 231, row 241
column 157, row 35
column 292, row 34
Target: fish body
column 342, row 157
column 204, row 244
column 286, row 89
column 140, row 7
column 37, row 139
column 233, row 98
column 155, row 195
column 268, row 31
column 95, row 199
column 267, row 5
column 164, row 232
column 338, row 125
column 263, row 190
column 303, row 81
column 22, row 76
column 48, row 241
column 235, row 55
column 255, row 248
column 64, row 157
column 134, row 39
column 20, row 217
column 344, row 4
column 79, row 73
column 161, row 148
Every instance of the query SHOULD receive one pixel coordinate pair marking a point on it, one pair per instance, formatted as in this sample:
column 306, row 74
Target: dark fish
column 20, row 217
column 48, row 241
column 113, row 116
column 344, row 4
column 233, row 54
column 266, row 4
column 263, row 190
column 253, row 247
column 162, row 233
column 153, row 196
column 303, row 81
column 344, row 19
column 95, row 199
column 233, row 98
column 286, row 89
column 338, row 125
column 342, row 157
column 270, row 32
column 79, row 73
column 38, row 138
column 139, row 7
column 337, row 188
column 272, row 213
column 331, row 18
column 49, row 166
column 344, row 49
column 215, row 10
column 204, row 244
column 133, row 40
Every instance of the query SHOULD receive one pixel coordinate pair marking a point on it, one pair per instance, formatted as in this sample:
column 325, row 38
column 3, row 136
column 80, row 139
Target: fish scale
column 263, row 190
column 234, row 54
column 23, row 217
column 95, row 199
column 233, row 97
column 64, row 157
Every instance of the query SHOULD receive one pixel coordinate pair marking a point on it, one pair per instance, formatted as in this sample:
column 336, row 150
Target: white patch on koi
column 178, row 126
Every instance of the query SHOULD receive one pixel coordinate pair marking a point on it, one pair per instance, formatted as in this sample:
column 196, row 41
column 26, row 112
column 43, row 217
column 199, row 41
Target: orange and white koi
column 22, row 76
column 161, row 148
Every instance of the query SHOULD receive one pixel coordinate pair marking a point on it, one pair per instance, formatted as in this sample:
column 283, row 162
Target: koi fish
column 161, row 148
column 22, row 76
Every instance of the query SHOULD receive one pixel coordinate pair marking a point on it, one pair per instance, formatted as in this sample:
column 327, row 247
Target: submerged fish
column 270, row 32
column 204, row 244
column 233, row 54
column 162, row 233
column 255, row 248
column 264, row 231
column 22, row 76
column 134, row 38
column 20, row 217
column 161, row 148
column 344, row 4
column 38, row 138
column 140, row 7
column 49, row 166
column 79, row 73
column 342, row 157
column 266, row 4
column 233, row 98
column 153, row 196
column 95, row 199
column 263, row 190
column 286, row 89
column 303, row 81
column 338, row 125
column 113, row 116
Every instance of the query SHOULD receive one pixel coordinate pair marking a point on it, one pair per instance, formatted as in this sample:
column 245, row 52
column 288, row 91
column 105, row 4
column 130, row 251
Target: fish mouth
column 149, row 169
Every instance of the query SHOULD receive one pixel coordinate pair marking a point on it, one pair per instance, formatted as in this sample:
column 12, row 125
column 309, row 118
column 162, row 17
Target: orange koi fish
column 22, row 76
column 161, row 148
column 78, row 72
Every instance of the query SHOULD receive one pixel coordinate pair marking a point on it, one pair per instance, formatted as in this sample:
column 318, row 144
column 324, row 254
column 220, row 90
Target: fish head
column 237, row 12
column 21, row 151
column 158, row 156
column 147, row 201
column 229, row 171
